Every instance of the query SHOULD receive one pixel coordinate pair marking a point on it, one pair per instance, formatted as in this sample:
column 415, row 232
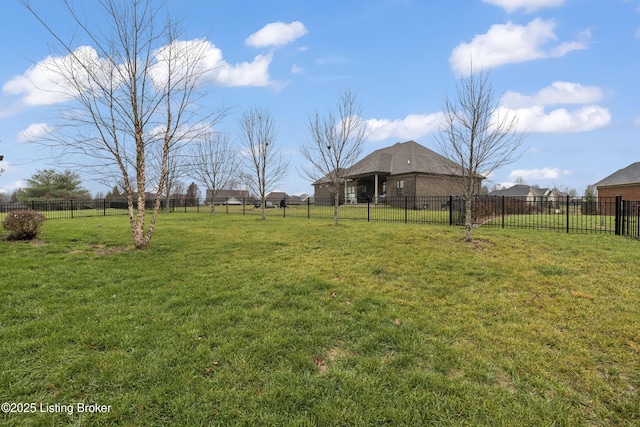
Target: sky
column 567, row 69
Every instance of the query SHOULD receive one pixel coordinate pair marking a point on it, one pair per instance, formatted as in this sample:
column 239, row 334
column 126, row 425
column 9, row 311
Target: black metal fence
column 566, row 214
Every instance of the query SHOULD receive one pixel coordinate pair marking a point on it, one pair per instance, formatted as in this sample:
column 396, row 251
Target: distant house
column 404, row 169
column 231, row 197
column 624, row 183
column 276, row 198
column 531, row 193
column 297, row 200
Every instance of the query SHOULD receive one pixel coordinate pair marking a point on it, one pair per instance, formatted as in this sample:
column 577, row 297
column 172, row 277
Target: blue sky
column 567, row 68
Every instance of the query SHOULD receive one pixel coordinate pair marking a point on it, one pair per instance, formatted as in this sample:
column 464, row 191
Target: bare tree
column 175, row 169
column 335, row 145
column 476, row 136
column 213, row 162
column 263, row 166
column 133, row 91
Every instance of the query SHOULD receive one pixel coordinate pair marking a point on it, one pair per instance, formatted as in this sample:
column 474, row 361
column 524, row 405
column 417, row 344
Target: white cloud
column 638, row 33
column 536, row 120
column 296, row 70
column 538, row 174
column 34, row 132
column 276, row 34
column 512, row 43
column 533, row 116
column 528, row 5
column 637, row 121
column 47, row 82
column 411, row 127
column 254, row 73
column 557, row 93
column 213, row 65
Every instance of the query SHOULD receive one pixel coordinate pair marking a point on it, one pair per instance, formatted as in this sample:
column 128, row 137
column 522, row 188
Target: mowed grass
column 229, row 320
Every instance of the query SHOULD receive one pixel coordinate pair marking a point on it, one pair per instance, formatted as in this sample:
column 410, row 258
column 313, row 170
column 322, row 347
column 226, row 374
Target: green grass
column 228, row 320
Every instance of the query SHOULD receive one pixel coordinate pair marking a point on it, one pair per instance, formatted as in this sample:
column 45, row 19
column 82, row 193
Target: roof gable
column 519, row 190
column 404, row 158
column 628, row 175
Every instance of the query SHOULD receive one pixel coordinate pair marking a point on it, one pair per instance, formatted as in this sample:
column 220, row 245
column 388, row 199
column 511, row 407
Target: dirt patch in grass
column 102, row 250
column 33, row 242
column 480, row 244
column 333, row 354
column 505, row 382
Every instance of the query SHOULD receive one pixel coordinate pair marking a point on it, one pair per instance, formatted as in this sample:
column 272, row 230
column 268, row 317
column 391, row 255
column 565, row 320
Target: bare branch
column 132, row 99
column 263, row 165
column 475, row 137
column 335, row 144
column 213, row 162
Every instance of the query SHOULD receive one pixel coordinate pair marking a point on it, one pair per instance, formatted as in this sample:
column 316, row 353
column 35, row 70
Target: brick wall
column 628, row 192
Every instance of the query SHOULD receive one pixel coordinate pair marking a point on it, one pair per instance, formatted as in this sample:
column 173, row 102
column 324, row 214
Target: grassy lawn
column 227, row 320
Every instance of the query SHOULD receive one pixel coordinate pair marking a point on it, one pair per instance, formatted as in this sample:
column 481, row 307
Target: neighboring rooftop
column 402, row 158
column 514, row 191
column 628, row 175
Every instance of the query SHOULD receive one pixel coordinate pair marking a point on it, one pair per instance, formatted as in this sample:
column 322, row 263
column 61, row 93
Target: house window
column 399, row 187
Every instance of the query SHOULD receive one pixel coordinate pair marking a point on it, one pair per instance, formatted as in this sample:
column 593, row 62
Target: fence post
column 638, row 223
column 617, row 215
column 308, row 207
column 568, row 214
column 226, row 205
column 104, row 207
column 405, row 209
column 450, row 210
column 502, row 209
column 368, row 209
column 623, row 218
column 284, row 207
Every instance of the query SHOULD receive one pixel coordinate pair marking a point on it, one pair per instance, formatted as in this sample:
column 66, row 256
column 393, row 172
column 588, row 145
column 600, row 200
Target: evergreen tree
column 193, row 194
column 48, row 184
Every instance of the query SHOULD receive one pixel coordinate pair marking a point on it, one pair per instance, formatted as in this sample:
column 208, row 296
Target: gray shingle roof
column 628, row 175
column 519, row 190
column 403, row 158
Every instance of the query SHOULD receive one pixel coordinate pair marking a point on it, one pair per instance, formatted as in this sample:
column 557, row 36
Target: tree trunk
column 136, row 220
column 336, row 205
column 167, row 196
column 467, row 218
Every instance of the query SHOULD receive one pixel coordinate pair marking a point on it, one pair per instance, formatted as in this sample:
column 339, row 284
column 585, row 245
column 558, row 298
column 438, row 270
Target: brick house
column 532, row 194
column 404, row 169
column 624, row 183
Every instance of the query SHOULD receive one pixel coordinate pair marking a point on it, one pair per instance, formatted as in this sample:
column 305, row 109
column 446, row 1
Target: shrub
column 23, row 224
